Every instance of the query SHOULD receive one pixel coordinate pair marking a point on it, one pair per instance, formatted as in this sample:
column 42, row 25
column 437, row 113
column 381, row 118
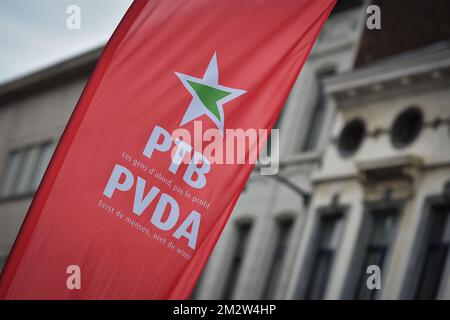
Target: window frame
column 228, row 290
column 5, row 173
column 22, row 151
column 356, row 270
column 271, row 283
column 339, row 211
column 417, row 257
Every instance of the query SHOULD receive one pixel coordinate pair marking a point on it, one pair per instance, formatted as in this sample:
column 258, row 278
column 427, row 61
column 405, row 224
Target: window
column 44, row 159
column 11, row 169
column 436, row 253
column 24, row 169
column 284, row 227
column 380, row 233
column 406, row 128
column 351, row 137
column 29, row 158
column 243, row 231
column 329, row 235
column 317, row 115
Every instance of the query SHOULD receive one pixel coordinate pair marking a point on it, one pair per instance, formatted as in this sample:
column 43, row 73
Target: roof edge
column 71, row 64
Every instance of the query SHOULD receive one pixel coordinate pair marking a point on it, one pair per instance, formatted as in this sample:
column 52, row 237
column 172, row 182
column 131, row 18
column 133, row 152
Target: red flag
column 118, row 209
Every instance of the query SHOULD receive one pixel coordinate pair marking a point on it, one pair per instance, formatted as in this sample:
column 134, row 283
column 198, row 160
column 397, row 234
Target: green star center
column 209, row 96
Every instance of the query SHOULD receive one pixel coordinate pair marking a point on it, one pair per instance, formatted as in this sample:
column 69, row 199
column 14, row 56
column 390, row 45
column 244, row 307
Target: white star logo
column 208, row 96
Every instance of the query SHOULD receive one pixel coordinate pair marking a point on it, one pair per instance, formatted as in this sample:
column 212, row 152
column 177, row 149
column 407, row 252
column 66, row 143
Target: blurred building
column 34, row 111
column 365, row 165
column 381, row 196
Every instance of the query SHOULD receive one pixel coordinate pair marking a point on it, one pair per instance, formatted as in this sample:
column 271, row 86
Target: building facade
column 256, row 254
column 381, row 196
column 367, row 148
column 34, row 111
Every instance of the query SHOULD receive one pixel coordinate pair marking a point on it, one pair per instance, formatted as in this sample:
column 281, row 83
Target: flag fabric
column 120, row 213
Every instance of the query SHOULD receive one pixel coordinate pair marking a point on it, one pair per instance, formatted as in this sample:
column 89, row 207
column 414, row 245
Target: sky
column 34, row 34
